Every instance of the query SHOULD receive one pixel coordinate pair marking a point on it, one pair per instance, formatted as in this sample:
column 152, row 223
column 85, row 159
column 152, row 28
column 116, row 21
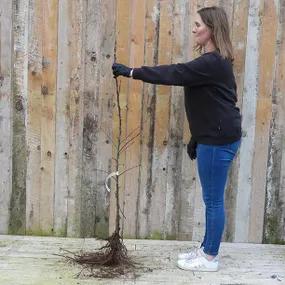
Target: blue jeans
column 213, row 164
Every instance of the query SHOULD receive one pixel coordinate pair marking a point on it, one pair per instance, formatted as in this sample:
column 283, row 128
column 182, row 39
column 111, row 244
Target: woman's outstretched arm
column 192, row 73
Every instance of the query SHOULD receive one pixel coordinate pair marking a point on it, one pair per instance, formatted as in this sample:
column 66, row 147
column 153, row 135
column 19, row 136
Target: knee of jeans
column 210, row 203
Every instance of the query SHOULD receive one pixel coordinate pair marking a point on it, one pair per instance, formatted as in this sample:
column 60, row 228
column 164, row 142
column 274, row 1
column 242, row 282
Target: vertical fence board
column 62, row 117
column 76, row 38
column 208, row 3
column 97, row 117
column 106, row 92
column 237, row 15
column 263, row 118
column 91, row 117
column 248, row 124
column 173, row 185
column 160, row 150
column 68, row 119
column 48, row 90
column 147, row 121
column 17, row 223
column 33, row 182
column 133, row 121
column 6, row 48
column 279, row 225
column 238, row 31
column 275, row 191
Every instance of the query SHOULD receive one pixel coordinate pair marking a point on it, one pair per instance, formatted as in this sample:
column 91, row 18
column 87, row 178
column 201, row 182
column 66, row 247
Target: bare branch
column 129, row 169
column 129, row 143
column 131, row 133
column 101, row 170
column 122, row 213
column 128, row 146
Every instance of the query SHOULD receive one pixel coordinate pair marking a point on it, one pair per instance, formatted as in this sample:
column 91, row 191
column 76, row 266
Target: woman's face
column 202, row 33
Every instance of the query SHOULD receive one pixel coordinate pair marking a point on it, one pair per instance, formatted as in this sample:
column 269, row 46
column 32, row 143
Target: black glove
column 120, row 69
column 191, row 149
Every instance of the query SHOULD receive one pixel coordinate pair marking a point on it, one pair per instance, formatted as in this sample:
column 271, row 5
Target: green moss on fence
column 272, row 234
column 40, row 232
column 157, row 235
column 102, row 230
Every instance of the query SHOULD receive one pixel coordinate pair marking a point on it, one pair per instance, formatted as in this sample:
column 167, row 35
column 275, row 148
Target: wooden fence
column 58, row 120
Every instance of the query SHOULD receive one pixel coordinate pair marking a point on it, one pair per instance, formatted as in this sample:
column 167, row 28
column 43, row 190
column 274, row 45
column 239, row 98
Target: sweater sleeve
column 192, row 73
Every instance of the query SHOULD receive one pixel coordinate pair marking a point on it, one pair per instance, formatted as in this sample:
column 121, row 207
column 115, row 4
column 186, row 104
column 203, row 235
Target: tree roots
column 109, row 261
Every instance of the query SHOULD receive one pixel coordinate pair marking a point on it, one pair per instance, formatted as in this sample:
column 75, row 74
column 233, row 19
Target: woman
column 214, row 121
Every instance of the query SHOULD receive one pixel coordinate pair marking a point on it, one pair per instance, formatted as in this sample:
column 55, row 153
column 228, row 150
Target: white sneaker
column 190, row 254
column 199, row 263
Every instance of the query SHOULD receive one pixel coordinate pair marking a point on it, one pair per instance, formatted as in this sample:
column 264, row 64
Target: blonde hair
column 216, row 19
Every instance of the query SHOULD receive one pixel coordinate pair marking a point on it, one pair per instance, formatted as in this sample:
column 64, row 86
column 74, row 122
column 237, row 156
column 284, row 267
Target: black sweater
column 210, row 95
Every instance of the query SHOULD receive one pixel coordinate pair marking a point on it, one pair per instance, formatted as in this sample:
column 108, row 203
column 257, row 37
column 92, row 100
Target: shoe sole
column 199, row 269
column 184, row 258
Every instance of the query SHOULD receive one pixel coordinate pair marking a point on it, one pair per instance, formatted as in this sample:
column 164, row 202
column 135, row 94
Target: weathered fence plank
column 147, row 124
column 106, row 92
column 239, row 32
column 62, row 119
column 279, row 225
column 133, row 120
column 275, row 188
column 68, row 119
column 91, row 119
column 176, row 123
column 48, row 92
column 41, row 117
column 33, row 183
column 76, row 42
column 6, row 49
column 17, row 223
column 263, row 117
column 249, row 124
column 97, row 141
column 161, row 126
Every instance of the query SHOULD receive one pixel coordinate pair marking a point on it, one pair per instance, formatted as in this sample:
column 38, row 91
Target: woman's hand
column 191, row 149
column 120, row 69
